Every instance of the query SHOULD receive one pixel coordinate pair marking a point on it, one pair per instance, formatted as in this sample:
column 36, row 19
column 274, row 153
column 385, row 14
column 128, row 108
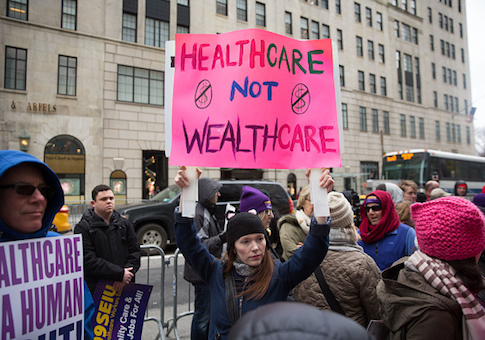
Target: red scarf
column 389, row 221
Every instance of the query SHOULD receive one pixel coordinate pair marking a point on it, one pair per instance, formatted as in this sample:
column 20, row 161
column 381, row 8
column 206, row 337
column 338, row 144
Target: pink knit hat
column 449, row 228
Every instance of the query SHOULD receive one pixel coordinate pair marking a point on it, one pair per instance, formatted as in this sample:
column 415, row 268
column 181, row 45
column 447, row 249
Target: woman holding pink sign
column 248, row 277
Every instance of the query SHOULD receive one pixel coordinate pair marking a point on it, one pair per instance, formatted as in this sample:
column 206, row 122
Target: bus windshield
column 403, row 166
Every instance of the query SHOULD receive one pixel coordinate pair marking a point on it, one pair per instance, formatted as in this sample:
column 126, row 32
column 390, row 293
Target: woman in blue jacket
column 30, row 197
column 248, row 277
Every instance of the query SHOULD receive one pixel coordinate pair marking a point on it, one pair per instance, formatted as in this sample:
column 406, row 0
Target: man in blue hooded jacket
column 30, row 197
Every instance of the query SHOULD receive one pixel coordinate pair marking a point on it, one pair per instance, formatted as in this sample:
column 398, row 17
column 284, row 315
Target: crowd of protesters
column 412, row 267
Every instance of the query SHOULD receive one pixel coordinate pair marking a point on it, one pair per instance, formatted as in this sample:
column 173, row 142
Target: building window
column 221, row 7
column 66, row 78
column 379, row 25
column 396, row 29
column 342, row 75
column 326, row 32
column 372, row 83
column 18, row 9
column 435, row 99
column 375, row 121
column 404, row 5
column 129, row 27
column 315, row 30
column 368, row 16
column 412, row 126
column 387, row 125
column 15, row 68
column 156, row 32
column 433, row 70
column 361, row 80
column 69, row 12
column 357, row 12
column 370, row 49
column 360, row 49
column 445, row 98
column 340, row 40
column 461, row 30
column 408, row 71
column 338, row 7
column 363, row 118
column 180, row 29
column 406, row 32
column 437, row 130
column 458, row 133
column 260, row 14
column 430, row 15
column 413, row 7
column 381, row 54
column 431, row 42
column 415, row 36
column 242, row 10
column 370, row 170
column 139, row 85
column 383, row 86
column 403, row 126
column 468, row 138
column 288, row 23
column 464, row 80
column 324, row 4
column 304, row 28
column 345, row 117
column 448, row 132
column 183, row 2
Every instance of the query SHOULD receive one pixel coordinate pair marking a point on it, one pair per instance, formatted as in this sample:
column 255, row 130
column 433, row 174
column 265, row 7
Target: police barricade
column 161, row 262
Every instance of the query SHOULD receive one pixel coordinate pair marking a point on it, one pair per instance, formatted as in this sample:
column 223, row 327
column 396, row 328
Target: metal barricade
column 172, row 323
column 164, row 262
column 159, row 321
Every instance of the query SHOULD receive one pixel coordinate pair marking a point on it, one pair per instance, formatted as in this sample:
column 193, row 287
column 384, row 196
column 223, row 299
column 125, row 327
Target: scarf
column 242, row 268
column 441, row 276
column 389, row 221
column 303, row 220
column 343, row 240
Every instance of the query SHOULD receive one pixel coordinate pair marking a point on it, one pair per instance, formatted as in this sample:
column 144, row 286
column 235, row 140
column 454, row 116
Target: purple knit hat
column 449, row 228
column 252, row 198
column 479, row 199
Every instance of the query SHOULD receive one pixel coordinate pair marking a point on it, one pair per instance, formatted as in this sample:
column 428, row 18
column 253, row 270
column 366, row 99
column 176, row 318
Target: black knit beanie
column 243, row 224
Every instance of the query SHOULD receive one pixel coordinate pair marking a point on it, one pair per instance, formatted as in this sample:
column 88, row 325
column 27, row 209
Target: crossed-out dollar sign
column 300, row 99
column 203, row 94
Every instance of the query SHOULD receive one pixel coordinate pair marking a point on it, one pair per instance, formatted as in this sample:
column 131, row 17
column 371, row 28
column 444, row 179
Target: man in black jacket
column 213, row 237
column 111, row 249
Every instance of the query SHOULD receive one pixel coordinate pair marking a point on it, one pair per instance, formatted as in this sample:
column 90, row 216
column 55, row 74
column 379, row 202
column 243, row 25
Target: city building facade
column 83, row 82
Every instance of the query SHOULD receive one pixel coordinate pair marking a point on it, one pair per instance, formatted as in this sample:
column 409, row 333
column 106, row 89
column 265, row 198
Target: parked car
column 153, row 220
column 61, row 220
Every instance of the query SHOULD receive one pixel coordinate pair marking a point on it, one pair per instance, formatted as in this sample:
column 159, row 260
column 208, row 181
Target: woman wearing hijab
column 433, row 293
column 383, row 235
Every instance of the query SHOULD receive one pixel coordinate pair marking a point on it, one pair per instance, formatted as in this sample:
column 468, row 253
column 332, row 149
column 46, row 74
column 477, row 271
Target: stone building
column 85, row 81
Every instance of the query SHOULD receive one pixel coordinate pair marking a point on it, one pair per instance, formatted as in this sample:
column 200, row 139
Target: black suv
column 153, row 220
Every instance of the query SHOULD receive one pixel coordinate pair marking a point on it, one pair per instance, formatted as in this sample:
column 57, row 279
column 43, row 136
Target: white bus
column 421, row 165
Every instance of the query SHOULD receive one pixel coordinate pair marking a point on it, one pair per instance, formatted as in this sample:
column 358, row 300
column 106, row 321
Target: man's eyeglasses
column 28, row 189
column 374, row 208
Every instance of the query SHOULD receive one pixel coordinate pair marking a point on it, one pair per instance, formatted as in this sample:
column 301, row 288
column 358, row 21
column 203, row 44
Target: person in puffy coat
column 294, row 228
column 432, row 294
column 351, row 274
column 291, row 320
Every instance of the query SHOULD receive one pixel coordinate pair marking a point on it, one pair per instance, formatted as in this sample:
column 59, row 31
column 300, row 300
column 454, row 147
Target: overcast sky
column 476, row 46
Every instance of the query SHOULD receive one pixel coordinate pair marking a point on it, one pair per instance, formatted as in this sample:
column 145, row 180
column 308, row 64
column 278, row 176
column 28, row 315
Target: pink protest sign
column 254, row 99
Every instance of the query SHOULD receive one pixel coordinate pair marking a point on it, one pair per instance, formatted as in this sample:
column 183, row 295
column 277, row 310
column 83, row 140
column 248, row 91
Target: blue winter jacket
column 392, row 246
column 285, row 275
column 11, row 158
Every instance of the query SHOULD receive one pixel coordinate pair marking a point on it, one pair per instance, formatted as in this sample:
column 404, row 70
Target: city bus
column 421, row 165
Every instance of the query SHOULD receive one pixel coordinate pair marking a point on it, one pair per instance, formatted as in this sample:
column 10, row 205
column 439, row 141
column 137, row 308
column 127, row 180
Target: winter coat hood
column 11, row 158
column 207, row 189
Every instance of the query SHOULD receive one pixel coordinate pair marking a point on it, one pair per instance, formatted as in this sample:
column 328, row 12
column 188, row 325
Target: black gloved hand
column 223, row 237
